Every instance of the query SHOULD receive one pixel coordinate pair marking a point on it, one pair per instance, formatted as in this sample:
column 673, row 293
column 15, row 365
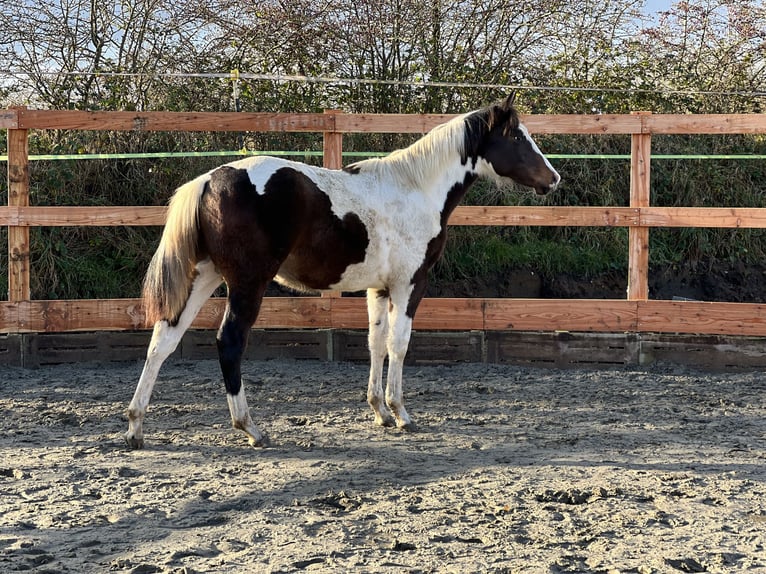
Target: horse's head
column 507, row 149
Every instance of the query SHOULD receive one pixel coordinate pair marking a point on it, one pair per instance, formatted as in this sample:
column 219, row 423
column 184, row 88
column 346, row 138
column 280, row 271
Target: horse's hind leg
column 241, row 311
column 165, row 339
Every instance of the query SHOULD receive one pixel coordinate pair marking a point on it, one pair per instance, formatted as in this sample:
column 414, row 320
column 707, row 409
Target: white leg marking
column 240, row 418
column 377, row 310
column 400, row 329
column 165, row 339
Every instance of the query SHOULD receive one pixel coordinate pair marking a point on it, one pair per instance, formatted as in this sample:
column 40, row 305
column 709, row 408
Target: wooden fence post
column 638, row 236
column 332, row 158
column 18, row 196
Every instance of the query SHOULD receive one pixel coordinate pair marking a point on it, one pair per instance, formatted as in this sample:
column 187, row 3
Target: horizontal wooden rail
column 467, row 215
column 82, row 216
column 373, row 123
column 589, row 315
column 635, row 314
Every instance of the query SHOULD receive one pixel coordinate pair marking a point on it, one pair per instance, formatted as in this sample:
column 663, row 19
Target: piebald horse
column 378, row 225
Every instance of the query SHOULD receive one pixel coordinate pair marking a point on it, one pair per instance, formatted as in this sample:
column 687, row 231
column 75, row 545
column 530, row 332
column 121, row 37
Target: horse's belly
column 302, row 275
column 360, row 276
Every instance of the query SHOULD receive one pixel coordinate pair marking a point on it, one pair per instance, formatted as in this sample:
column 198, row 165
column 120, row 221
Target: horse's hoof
column 133, row 442
column 409, row 427
column 386, row 422
column 261, row 442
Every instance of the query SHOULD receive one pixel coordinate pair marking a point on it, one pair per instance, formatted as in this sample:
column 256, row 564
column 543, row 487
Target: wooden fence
column 636, row 313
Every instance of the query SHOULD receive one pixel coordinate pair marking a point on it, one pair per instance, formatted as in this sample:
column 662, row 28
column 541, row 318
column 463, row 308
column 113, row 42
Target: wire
column 312, row 153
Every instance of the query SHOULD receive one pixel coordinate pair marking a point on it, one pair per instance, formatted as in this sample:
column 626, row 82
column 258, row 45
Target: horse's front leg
column 377, row 309
column 400, row 329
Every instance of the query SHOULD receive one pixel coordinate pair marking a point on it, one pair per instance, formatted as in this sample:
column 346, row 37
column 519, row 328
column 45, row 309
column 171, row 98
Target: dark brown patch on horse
column 435, row 248
column 500, row 120
column 289, row 228
column 353, row 169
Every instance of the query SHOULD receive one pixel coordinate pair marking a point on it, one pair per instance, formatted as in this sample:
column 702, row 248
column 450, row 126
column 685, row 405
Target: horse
column 377, row 225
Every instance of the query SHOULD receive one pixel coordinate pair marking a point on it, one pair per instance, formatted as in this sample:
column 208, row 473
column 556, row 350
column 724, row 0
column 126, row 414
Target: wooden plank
column 11, row 350
column 424, row 348
column 747, row 319
column 541, row 124
column 287, row 312
column 9, row 119
column 174, row 121
column 450, row 314
column 332, row 142
column 638, row 237
column 79, row 315
column 545, row 215
column 390, row 123
column 332, row 158
column 9, row 317
column 583, row 124
column 375, row 123
column 716, row 352
column 288, row 344
column 706, row 123
column 718, row 217
column 276, row 312
column 427, row 348
column 32, row 216
column 562, row 349
column 348, row 345
column 122, row 314
column 347, row 312
column 734, row 217
column 18, row 196
column 602, row 315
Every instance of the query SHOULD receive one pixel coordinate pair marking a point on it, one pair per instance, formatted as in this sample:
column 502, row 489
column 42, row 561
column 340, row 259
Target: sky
column 653, row 6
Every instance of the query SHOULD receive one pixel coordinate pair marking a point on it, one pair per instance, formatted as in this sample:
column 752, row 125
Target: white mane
column 420, row 162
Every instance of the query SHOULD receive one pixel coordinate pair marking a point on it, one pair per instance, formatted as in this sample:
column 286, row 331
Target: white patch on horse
column 532, row 143
column 400, row 219
column 261, row 168
column 240, row 417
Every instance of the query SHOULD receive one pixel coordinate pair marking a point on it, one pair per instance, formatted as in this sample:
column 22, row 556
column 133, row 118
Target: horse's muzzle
column 545, row 189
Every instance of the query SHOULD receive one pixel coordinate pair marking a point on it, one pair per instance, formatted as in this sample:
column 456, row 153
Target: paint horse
column 378, row 225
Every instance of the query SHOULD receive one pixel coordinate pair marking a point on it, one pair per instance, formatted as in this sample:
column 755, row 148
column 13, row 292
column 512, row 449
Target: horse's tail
column 171, row 271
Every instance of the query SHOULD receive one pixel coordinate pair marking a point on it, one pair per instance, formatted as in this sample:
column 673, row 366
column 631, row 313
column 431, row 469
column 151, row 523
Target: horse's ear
column 509, row 101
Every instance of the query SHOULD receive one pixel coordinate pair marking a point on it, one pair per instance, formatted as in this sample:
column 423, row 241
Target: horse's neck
column 433, row 164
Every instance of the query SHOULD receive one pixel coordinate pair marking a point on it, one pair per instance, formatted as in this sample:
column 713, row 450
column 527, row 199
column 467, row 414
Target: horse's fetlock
column 135, row 415
column 374, row 401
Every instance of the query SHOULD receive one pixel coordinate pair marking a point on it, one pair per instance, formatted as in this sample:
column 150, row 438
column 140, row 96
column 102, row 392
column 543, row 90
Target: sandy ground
column 512, row 470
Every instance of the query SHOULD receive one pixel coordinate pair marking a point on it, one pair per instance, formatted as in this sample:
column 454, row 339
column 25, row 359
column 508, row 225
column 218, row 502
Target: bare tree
column 705, row 52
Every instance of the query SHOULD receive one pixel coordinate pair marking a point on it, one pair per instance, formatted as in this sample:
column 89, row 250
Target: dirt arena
column 512, row 470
